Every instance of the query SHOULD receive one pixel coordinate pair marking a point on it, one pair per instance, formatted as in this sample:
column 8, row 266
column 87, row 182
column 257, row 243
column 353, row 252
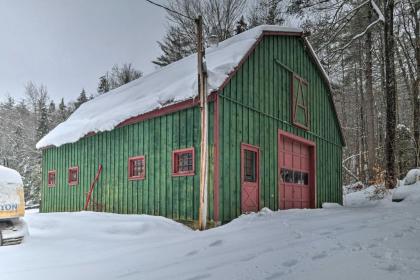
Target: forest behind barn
column 349, row 37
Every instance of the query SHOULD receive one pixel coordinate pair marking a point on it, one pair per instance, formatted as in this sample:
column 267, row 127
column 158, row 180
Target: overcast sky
column 68, row 44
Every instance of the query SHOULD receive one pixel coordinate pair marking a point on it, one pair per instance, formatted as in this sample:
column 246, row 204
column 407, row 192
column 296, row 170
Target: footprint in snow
column 356, row 247
column 199, row 277
column 391, row 267
column 248, row 258
column 297, row 235
column 321, row 255
column 192, row 253
column 275, row 276
column 290, row 263
column 398, row 234
column 216, row 243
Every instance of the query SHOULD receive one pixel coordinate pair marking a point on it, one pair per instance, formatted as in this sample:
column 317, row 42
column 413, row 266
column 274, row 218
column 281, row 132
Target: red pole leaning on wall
column 92, row 186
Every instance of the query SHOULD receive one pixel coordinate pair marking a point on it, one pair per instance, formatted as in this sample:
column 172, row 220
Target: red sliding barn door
column 296, row 172
column 250, row 177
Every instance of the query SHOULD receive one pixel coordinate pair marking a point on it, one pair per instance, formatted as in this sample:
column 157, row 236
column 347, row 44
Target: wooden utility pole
column 202, row 92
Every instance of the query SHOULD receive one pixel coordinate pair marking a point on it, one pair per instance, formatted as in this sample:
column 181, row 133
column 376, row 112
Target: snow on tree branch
column 380, row 18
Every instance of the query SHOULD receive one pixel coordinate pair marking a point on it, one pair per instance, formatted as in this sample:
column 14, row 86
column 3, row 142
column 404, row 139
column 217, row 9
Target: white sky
column 68, row 44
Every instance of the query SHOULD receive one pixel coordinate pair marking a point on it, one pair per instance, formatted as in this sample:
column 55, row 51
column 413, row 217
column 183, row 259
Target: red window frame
column 175, row 162
column 73, row 169
column 302, row 82
column 51, row 182
column 131, row 162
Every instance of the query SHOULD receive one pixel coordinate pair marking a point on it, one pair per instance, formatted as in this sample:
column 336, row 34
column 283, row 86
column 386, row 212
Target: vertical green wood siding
column 255, row 104
column 158, row 194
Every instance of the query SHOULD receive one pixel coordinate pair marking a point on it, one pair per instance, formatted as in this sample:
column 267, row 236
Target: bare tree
column 219, row 16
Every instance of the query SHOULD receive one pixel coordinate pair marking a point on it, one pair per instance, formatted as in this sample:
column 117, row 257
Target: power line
column 168, row 9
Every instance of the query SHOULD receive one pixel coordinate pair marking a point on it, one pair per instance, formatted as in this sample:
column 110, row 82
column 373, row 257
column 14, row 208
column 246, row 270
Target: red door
column 250, row 157
column 296, row 172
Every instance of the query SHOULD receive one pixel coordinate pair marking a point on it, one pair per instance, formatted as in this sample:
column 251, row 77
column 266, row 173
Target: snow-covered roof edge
column 223, row 61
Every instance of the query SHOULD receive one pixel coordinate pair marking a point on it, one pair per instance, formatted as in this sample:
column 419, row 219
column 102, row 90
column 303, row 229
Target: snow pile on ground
column 407, row 192
column 355, row 187
column 365, row 198
column 410, row 189
column 376, row 242
column 171, row 84
column 412, row 177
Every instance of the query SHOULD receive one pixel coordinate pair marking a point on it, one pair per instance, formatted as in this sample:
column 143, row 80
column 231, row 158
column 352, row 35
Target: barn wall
column 158, row 194
column 255, row 104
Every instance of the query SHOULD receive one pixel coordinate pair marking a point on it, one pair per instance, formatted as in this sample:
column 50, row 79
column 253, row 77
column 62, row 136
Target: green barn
column 274, row 137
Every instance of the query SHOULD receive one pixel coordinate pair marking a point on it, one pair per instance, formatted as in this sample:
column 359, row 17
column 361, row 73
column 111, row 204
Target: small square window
column 183, row 162
column 51, row 178
column 136, row 168
column 73, row 176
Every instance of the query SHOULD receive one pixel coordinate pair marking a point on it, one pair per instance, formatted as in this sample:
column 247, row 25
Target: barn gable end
column 256, row 104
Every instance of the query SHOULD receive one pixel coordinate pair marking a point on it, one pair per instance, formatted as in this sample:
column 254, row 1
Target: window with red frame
column 51, row 178
column 183, row 162
column 136, row 168
column 300, row 111
column 73, row 176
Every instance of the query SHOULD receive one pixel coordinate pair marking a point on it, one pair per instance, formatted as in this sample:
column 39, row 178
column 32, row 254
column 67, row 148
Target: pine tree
column 174, row 47
column 62, row 112
column 241, row 26
column 43, row 123
column 104, row 85
column 81, row 99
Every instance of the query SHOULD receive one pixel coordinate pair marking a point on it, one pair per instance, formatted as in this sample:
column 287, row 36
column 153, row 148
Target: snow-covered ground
column 380, row 240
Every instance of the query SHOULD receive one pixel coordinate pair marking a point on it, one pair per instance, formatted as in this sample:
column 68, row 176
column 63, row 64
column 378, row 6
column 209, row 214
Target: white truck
column 13, row 228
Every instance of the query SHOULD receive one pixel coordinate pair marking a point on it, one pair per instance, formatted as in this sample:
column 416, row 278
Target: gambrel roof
column 169, row 85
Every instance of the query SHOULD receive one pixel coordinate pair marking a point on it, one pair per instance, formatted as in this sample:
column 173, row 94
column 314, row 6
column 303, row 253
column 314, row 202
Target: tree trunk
column 391, row 93
column 415, row 88
column 370, row 112
column 363, row 159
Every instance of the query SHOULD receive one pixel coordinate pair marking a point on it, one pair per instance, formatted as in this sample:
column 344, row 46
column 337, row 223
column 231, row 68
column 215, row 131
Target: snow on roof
column 171, row 84
column 9, row 176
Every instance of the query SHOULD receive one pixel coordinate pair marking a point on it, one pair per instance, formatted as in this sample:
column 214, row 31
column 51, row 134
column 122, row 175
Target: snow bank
column 407, row 193
column 412, row 177
column 171, row 84
column 365, row 198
